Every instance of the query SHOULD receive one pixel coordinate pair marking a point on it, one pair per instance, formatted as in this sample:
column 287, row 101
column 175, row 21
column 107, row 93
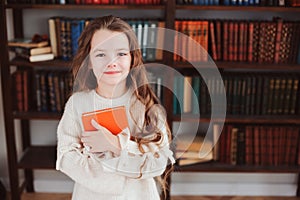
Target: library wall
column 182, row 184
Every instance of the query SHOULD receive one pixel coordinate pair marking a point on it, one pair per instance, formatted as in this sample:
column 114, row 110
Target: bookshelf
column 233, row 13
column 31, row 158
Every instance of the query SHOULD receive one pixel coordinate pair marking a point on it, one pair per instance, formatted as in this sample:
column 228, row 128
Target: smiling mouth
column 112, row 72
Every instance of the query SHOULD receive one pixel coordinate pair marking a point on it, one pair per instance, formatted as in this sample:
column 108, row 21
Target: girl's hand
column 100, row 140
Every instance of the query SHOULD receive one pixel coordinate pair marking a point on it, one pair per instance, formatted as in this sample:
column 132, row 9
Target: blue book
column 233, row 2
column 216, row 2
column 226, row 2
column 75, row 34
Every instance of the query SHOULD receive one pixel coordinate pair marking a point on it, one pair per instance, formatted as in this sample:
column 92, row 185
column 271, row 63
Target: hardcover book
column 114, row 119
column 28, row 43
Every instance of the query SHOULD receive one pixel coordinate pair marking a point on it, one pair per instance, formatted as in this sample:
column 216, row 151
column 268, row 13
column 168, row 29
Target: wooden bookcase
column 32, row 159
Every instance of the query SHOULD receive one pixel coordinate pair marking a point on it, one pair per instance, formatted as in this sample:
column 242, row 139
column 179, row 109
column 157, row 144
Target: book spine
column 213, row 41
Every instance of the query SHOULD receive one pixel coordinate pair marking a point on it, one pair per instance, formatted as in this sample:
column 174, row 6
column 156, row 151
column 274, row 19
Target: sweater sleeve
column 83, row 167
column 134, row 164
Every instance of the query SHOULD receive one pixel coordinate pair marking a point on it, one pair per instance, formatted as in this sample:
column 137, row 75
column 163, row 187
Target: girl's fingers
column 96, row 125
column 99, row 127
column 83, row 140
column 88, row 133
column 85, row 134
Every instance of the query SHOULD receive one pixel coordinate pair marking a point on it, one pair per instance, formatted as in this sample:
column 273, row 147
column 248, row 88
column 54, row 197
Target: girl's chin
column 112, row 82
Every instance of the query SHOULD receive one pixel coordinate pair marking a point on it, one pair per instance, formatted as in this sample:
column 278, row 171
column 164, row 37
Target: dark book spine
column 271, row 95
column 235, row 40
column 287, row 95
column 241, row 146
column 282, row 90
column 294, row 95
column 259, row 95
column 249, row 141
column 265, row 94
column 256, row 147
column 241, row 38
column 276, row 95
column 278, row 39
column 44, row 92
column 226, row 41
column 51, row 94
column 230, row 41
column 256, row 41
column 38, row 92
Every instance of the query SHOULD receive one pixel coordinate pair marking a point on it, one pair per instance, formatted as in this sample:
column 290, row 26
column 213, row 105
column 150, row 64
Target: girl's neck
column 111, row 92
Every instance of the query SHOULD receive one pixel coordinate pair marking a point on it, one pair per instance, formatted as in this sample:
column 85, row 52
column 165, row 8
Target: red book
column 250, row 39
column 249, row 152
column 213, row 41
column 225, row 40
column 114, row 119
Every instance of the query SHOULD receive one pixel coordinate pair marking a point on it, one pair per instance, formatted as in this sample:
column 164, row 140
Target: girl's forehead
column 106, row 39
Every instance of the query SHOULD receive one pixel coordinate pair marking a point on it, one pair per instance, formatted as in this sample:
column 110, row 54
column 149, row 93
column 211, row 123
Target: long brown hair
column 137, row 78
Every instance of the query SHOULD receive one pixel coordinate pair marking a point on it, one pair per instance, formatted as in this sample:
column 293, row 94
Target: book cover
column 114, row 119
column 23, row 42
column 30, row 51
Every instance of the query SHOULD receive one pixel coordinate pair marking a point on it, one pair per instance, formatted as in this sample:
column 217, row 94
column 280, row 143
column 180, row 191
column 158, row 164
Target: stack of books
column 193, row 150
column 32, row 51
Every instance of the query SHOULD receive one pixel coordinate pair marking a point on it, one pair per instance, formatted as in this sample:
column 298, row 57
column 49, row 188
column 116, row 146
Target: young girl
column 109, row 72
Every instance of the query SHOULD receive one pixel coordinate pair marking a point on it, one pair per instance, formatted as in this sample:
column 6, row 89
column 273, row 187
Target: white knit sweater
column 104, row 176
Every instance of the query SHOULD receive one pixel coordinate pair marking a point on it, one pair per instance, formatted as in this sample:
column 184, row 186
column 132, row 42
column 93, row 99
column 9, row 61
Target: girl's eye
column 122, row 54
column 100, row 55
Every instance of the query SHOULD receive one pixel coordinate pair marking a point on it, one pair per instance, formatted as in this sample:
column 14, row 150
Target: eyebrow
column 120, row 49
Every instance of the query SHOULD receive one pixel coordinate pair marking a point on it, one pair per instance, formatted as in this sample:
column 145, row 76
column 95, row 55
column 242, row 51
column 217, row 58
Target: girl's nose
column 112, row 63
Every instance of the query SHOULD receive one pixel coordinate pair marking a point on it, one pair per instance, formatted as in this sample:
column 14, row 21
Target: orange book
column 114, row 119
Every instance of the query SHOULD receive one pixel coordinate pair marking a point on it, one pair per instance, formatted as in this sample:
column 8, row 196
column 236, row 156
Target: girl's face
column 110, row 57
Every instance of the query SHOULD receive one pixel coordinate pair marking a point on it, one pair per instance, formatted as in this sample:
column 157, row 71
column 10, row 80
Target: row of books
column 51, row 90
column 64, row 34
column 246, row 94
column 259, row 145
column 88, row 2
column 273, row 41
column 256, row 145
column 239, row 2
column 188, row 48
